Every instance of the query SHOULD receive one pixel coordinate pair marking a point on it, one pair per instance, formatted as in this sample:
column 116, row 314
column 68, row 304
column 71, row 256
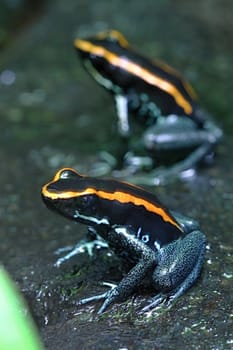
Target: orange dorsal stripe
column 137, row 70
column 119, row 196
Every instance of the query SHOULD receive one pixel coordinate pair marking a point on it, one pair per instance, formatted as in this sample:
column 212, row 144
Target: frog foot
column 133, row 164
column 160, row 176
column 138, row 162
column 81, row 247
column 109, row 297
column 162, row 300
column 103, row 165
column 159, row 299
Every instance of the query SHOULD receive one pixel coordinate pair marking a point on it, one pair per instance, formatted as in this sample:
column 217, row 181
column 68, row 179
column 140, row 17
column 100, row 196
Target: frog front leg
column 123, row 241
column 107, row 161
column 85, row 245
column 121, row 102
column 179, row 266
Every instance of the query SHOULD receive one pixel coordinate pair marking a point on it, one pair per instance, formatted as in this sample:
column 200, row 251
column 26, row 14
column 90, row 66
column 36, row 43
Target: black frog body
column 115, row 65
column 173, row 125
column 135, row 225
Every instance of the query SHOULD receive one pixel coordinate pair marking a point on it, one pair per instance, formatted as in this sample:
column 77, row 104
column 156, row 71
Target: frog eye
column 67, row 174
column 117, row 37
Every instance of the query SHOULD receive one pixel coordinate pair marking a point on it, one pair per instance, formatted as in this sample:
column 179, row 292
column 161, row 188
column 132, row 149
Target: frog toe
column 103, row 165
column 165, row 300
column 93, row 298
column 81, row 247
column 156, row 301
column 109, row 297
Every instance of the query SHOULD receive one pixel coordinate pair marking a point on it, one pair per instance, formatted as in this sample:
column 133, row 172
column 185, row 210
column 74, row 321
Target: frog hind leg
column 124, row 288
column 181, row 137
column 165, row 175
column 179, row 267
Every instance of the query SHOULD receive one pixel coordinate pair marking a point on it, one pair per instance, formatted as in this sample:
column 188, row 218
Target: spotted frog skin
column 157, row 96
column 165, row 246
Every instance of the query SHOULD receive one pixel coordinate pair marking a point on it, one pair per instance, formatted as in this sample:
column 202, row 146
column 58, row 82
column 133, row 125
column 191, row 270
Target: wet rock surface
column 53, row 115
